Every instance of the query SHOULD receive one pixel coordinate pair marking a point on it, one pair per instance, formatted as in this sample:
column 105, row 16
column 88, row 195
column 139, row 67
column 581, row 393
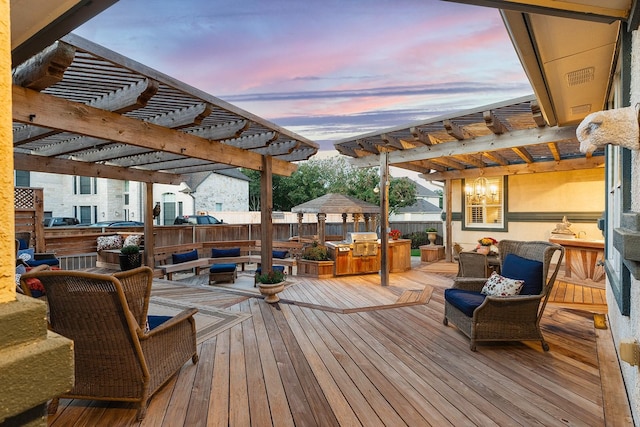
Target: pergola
column 506, row 138
column 81, row 109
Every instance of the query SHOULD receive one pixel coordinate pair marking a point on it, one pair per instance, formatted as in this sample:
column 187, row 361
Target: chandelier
column 480, row 191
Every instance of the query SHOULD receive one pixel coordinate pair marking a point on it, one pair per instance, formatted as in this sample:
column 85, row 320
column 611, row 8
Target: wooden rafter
column 495, row 157
column 448, row 162
column 56, row 113
column 493, row 123
column 45, row 69
column 423, row 137
column 523, row 154
column 553, row 147
column 454, row 130
column 222, row 132
column 471, row 160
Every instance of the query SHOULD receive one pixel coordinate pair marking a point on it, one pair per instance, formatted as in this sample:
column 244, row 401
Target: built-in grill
column 363, row 243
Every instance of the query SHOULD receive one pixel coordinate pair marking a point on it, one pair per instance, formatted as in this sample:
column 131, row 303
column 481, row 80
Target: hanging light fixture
column 480, row 190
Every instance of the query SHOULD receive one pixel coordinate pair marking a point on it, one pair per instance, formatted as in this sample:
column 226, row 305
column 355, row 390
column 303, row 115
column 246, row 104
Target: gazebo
column 333, row 203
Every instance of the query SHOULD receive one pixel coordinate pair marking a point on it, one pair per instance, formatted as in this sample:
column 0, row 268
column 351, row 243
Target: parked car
column 117, row 224
column 59, row 221
column 196, row 220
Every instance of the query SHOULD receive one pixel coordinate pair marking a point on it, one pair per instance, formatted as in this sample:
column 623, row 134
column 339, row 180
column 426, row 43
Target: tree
column 317, row 177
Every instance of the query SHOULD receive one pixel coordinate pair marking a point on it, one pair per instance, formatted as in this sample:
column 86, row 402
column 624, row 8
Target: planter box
column 318, row 269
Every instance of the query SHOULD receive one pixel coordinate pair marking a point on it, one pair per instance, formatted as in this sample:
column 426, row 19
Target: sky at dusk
column 324, row 69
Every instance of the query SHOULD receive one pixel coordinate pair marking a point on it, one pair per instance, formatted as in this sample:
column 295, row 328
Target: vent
column 578, row 77
column 577, row 110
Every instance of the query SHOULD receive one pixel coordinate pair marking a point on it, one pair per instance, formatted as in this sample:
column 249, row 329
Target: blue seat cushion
column 279, row 254
column 219, row 253
column 222, row 268
column 155, row 321
column 275, row 267
column 52, row 262
column 187, row 256
column 23, row 244
column 464, row 300
column 516, row 267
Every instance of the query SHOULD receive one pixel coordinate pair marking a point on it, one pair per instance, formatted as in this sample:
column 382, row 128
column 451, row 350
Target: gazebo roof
column 336, row 203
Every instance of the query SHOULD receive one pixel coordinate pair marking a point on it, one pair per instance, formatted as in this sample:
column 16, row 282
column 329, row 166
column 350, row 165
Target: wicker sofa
column 506, row 318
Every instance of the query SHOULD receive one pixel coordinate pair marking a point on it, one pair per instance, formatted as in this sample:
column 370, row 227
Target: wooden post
column 344, row 226
column 384, row 218
column 300, row 216
column 149, row 238
column 448, row 191
column 322, row 219
column 266, row 207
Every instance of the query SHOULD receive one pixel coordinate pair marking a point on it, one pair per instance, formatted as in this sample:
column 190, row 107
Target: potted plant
column 395, row 234
column 432, row 235
column 130, row 257
column 315, row 262
column 270, row 284
column 485, row 245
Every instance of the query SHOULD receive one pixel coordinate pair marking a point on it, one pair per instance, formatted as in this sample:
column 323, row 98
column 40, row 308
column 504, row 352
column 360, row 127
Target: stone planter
column 270, row 291
column 130, row 261
column 432, row 236
column 317, row 269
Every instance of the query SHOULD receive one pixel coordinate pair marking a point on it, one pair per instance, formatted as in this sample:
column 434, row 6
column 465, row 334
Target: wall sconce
column 479, row 190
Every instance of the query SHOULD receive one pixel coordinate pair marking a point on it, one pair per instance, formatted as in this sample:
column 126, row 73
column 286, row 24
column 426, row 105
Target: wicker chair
column 115, row 358
column 512, row 318
column 473, row 264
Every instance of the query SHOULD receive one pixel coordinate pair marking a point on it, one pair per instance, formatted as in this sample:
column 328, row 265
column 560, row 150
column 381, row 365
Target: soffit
column 78, row 71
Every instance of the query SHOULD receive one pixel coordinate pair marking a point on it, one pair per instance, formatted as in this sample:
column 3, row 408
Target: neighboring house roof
column 195, row 179
column 422, row 191
column 421, row 206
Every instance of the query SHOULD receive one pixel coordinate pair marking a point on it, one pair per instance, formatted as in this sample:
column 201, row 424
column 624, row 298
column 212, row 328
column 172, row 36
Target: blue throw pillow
column 516, row 267
column 188, row 256
column 26, row 254
column 23, row 244
column 279, row 254
column 219, row 253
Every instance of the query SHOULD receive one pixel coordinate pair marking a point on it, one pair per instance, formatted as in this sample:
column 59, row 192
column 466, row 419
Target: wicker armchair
column 473, row 264
column 115, row 358
column 498, row 318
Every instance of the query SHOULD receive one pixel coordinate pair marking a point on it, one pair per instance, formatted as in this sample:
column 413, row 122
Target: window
column 484, row 201
column 85, row 185
column 23, row 179
column 85, row 214
column 126, row 199
column 218, row 207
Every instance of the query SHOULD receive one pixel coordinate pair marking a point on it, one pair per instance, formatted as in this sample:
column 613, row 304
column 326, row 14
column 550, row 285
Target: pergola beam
column 66, row 116
column 488, row 143
column 519, row 169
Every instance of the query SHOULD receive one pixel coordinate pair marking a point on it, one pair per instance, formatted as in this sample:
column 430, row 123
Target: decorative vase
column 270, row 291
column 130, row 261
column 483, row 250
column 432, row 237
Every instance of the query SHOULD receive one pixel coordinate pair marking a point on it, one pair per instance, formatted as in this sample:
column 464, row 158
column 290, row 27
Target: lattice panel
column 25, row 198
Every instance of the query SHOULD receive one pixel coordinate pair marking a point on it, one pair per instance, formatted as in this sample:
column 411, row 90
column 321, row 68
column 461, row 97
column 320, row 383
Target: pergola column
column 367, row 217
column 344, row 226
column 356, row 220
column 300, row 217
column 322, row 218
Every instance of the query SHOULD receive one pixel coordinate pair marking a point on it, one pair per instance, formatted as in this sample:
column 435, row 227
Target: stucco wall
column 628, row 327
column 7, row 245
column 570, row 191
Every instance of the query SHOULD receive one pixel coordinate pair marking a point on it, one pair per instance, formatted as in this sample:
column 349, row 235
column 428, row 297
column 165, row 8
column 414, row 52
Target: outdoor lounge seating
column 483, row 317
column 115, row 358
column 473, row 264
column 223, row 273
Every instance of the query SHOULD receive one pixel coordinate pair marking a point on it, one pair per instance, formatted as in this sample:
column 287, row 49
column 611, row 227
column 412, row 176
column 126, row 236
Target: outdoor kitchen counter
column 346, row 263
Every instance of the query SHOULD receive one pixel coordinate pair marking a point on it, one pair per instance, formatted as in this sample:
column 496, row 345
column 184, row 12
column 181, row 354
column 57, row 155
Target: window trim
column 504, row 202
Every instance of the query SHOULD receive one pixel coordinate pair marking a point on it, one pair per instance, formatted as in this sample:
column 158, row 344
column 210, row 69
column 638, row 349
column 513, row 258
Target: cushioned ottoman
column 222, row 273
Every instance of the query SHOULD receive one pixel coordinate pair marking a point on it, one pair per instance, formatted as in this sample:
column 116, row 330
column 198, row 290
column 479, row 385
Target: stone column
column 344, row 226
column 300, row 217
column 322, row 217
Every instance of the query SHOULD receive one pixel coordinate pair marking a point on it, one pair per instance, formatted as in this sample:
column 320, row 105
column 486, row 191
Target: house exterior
column 91, row 199
column 426, row 208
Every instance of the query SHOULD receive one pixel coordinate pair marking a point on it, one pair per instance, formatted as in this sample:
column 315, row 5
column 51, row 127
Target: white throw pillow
column 109, row 242
column 500, row 286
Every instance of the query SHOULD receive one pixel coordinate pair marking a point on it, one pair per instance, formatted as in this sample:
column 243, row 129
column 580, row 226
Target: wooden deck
column 347, row 352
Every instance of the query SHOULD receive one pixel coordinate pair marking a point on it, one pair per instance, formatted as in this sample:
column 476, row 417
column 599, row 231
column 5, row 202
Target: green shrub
column 271, row 277
column 417, row 238
column 130, row 249
column 316, row 252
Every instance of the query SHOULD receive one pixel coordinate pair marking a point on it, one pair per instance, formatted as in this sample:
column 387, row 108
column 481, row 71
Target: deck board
column 346, row 351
